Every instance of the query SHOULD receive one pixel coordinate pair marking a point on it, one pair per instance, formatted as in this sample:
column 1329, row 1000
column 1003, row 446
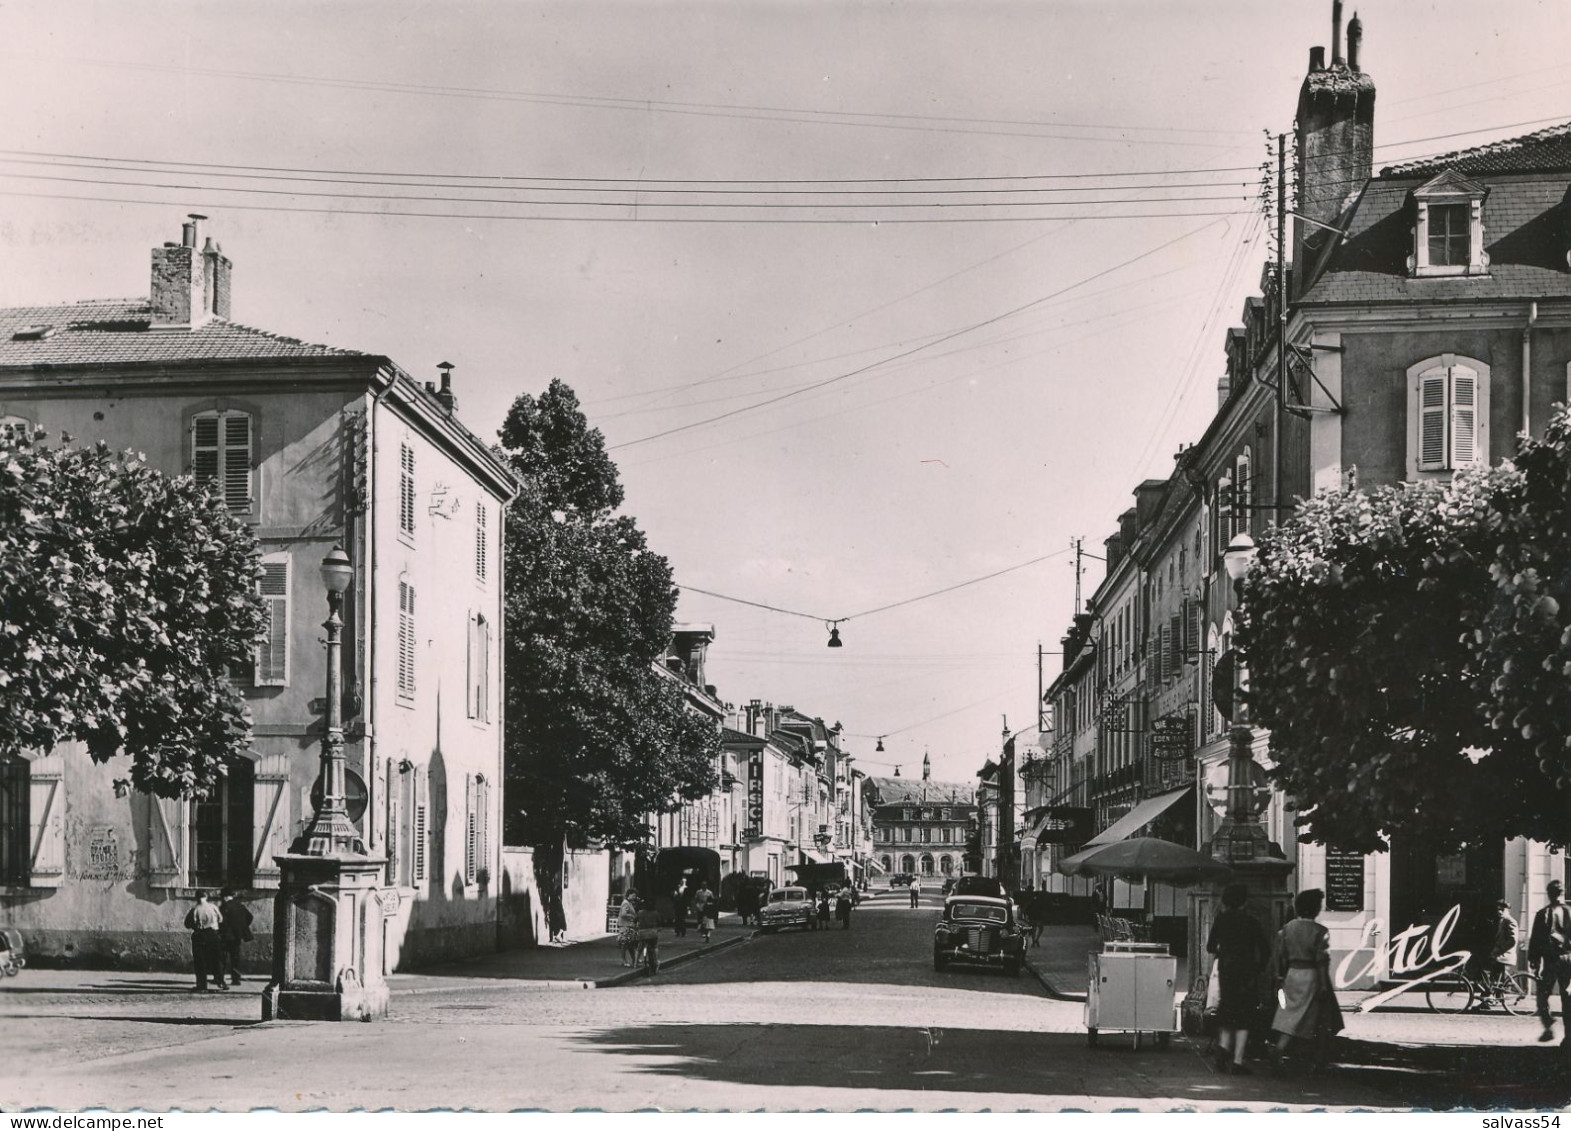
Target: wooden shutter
column 1243, row 494
column 1196, row 642
column 46, row 823
column 395, row 815
column 1432, row 421
column 1164, row 648
column 472, row 668
column 271, row 824
column 167, row 842
column 1464, row 416
column 272, row 655
column 418, row 828
column 483, row 685
column 480, row 541
column 204, row 447
column 471, row 826
column 237, row 461
column 483, row 817
column 406, row 489
column 406, row 638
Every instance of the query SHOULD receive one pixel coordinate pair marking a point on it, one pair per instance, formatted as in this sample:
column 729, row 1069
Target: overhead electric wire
column 915, row 349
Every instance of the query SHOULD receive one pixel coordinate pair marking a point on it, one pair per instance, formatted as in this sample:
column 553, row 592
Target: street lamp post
column 327, row 917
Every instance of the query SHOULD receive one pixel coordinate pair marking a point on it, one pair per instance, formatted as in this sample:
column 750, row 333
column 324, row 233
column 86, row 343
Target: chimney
column 216, row 273
column 1317, row 58
column 178, row 293
column 1335, row 134
column 445, row 392
column 1355, row 37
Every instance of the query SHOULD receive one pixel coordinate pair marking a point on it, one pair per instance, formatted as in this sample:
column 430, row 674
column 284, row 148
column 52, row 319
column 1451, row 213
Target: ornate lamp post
column 327, row 917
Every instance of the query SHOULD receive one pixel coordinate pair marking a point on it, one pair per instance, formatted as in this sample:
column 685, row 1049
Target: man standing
column 203, row 922
column 233, row 932
column 680, row 900
column 916, row 891
column 1549, row 953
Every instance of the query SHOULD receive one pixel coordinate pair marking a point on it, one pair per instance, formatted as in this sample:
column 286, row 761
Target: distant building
column 314, row 447
column 920, row 827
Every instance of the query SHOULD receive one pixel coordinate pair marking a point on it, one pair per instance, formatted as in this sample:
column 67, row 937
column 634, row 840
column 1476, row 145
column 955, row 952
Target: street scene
column 785, row 558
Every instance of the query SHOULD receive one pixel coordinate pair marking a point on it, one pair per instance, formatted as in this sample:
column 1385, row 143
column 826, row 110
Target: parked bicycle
column 1516, row 991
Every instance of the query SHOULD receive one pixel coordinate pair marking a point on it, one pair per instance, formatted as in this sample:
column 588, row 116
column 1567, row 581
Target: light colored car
column 787, row 907
column 979, row 929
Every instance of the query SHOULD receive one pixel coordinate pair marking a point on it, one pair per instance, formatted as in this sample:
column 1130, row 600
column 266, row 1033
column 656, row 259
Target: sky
column 870, row 300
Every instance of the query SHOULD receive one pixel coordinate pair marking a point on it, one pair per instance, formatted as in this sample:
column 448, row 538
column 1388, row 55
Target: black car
column 902, row 879
column 977, row 885
column 979, row 929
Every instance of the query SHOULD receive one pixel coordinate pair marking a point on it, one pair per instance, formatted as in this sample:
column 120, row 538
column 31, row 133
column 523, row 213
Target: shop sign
column 755, row 788
column 1172, row 737
column 1344, row 880
column 1064, row 825
column 1417, row 955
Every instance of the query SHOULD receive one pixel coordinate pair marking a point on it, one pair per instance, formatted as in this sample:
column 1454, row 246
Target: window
column 272, row 654
column 480, row 541
column 1243, row 492
column 406, row 640
column 14, row 430
column 406, row 491
column 221, row 450
column 1448, row 228
column 220, row 830
column 15, row 857
column 476, row 827
column 478, row 698
column 1448, row 415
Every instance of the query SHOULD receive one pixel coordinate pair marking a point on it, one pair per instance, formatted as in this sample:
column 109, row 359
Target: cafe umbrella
column 1145, row 858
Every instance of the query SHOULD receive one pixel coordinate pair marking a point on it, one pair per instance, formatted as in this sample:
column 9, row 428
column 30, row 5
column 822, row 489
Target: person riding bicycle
column 1497, row 941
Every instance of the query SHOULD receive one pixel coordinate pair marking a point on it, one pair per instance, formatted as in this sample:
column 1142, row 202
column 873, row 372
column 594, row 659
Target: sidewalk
column 589, row 964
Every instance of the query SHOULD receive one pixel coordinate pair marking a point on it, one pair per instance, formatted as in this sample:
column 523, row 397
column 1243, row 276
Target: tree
column 125, row 597
column 1355, row 621
column 596, row 739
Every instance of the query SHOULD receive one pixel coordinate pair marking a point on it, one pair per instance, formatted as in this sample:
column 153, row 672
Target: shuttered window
column 14, row 847
column 471, row 828
column 272, row 655
column 478, row 684
column 221, row 449
column 1243, row 492
column 1449, row 408
column 480, row 541
column 417, row 829
column 406, row 639
column 406, row 490
column 221, row 830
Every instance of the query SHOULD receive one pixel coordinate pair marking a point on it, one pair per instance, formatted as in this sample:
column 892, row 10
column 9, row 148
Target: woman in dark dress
column 1239, row 943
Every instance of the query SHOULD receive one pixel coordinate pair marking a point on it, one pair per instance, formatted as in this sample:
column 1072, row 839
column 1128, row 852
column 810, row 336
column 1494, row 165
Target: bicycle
column 1515, row 990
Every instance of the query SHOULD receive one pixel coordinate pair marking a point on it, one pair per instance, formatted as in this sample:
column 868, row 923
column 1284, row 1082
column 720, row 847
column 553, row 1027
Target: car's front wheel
column 940, row 960
column 1012, row 967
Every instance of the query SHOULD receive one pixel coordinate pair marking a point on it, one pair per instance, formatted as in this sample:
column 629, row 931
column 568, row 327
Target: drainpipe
column 1527, row 368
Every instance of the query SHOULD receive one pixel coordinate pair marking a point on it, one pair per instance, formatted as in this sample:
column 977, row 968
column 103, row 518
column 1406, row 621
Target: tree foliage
column 125, row 596
column 596, row 738
column 1407, row 651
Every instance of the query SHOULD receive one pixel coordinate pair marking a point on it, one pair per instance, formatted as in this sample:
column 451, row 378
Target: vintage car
column 787, row 907
column 978, row 929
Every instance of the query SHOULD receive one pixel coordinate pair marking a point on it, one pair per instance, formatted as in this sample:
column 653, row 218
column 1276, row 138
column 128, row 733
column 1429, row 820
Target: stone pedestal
column 1270, row 898
column 327, row 940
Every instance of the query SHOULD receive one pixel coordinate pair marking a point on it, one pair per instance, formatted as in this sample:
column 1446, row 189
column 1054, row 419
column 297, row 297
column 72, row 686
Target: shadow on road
column 227, row 1022
column 1061, row 1065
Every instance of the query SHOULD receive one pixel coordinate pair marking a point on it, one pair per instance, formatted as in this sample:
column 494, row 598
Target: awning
column 874, row 866
column 815, row 857
column 1139, row 817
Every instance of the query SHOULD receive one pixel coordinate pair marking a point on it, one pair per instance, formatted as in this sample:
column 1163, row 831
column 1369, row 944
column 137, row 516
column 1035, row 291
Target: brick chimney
column 445, row 392
column 1336, row 139
column 189, row 286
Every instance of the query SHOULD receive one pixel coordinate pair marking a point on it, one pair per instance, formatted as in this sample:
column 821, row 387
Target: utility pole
column 1278, row 455
column 1078, row 566
column 1040, row 717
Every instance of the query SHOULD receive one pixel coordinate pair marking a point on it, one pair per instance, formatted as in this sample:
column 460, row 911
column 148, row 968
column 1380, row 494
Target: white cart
column 1132, row 990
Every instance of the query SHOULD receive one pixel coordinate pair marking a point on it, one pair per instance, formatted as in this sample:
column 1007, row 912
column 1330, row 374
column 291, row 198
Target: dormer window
column 1448, row 230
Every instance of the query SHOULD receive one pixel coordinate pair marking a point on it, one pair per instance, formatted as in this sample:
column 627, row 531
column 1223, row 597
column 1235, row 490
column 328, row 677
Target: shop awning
column 874, row 866
column 1139, row 817
column 1061, row 824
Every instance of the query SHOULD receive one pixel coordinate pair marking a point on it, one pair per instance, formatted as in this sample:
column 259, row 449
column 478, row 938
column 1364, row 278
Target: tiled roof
column 116, row 331
column 909, row 791
column 1535, row 152
column 1527, row 232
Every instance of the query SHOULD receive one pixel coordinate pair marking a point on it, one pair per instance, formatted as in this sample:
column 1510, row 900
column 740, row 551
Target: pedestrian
column 1239, row 943
column 680, row 899
column 234, row 931
column 704, row 908
column 646, row 950
column 1496, row 939
column 916, row 891
column 823, row 910
column 627, row 927
column 1302, row 960
column 843, row 908
column 1549, row 954
column 203, row 922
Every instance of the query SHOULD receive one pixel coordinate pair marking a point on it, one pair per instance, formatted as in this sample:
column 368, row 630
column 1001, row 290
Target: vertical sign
column 755, row 791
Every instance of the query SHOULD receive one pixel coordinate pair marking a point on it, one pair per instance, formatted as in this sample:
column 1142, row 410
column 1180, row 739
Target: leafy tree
column 1356, row 621
column 1525, row 647
column 596, row 738
column 125, row 595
